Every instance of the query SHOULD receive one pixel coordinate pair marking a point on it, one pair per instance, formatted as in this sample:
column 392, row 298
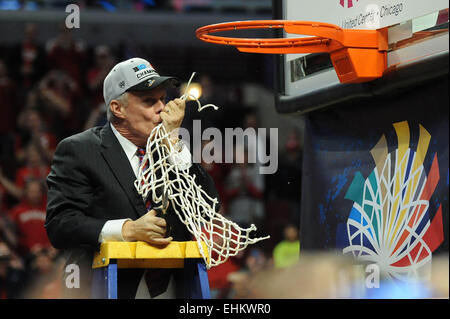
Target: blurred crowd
column 51, row 91
column 141, row 5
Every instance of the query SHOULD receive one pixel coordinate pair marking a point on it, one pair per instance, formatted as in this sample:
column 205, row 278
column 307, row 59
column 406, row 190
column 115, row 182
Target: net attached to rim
column 193, row 206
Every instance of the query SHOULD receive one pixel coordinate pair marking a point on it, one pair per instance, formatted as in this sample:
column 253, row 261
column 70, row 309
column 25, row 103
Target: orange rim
column 357, row 55
column 323, row 37
column 313, row 42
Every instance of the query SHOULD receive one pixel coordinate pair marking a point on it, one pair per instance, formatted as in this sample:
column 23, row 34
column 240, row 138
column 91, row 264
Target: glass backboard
column 418, row 49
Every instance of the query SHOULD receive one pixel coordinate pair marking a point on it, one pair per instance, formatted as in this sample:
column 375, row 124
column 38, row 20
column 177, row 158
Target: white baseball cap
column 135, row 74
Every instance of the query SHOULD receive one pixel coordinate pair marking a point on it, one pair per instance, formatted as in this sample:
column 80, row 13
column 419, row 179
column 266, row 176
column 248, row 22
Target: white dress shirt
column 112, row 230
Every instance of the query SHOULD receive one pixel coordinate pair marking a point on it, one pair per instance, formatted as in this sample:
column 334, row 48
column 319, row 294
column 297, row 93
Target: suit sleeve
column 204, row 179
column 70, row 194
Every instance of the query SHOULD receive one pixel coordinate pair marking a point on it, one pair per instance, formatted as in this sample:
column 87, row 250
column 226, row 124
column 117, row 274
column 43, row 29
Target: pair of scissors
column 161, row 211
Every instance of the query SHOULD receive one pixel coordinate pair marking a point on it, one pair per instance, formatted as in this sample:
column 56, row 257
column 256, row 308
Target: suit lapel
column 119, row 164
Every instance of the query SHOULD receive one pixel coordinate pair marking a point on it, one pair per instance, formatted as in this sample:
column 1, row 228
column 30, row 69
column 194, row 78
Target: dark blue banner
column 376, row 179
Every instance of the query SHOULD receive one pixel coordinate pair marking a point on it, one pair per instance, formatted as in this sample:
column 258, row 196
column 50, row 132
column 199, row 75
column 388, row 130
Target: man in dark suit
column 91, row 193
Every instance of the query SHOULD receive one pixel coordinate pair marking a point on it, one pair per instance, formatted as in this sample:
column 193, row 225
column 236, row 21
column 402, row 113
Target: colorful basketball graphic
column 389, row 223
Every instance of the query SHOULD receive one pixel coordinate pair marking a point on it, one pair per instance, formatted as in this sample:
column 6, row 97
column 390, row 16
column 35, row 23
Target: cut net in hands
column 193, row 206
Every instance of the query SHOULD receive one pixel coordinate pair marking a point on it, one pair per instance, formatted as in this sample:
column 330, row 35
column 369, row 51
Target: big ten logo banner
column 376, row 181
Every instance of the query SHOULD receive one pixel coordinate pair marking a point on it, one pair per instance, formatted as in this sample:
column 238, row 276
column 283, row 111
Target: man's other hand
column 173, row 115
column 148, row 228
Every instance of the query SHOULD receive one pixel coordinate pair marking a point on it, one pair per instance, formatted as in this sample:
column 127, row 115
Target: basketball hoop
column 357, row 55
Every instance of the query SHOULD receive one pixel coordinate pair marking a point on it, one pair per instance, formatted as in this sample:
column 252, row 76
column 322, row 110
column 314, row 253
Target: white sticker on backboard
column 360, row 14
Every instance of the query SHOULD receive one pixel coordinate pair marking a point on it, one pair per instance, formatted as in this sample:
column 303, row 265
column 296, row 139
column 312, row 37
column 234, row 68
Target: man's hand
column 173, row 115
column 148, row 228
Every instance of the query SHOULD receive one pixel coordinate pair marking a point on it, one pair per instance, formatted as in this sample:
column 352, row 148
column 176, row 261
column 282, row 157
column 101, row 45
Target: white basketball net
column 193, row 206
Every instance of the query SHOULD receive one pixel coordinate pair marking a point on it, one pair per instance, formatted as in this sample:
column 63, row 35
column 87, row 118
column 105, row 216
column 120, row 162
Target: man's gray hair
column 123, row 98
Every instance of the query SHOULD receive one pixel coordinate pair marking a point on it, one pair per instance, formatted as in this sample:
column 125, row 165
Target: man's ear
column 117, row 109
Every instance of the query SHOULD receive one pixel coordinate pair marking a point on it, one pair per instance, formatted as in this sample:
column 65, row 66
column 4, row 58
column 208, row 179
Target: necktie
column 157, row 279
column 141, row 153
